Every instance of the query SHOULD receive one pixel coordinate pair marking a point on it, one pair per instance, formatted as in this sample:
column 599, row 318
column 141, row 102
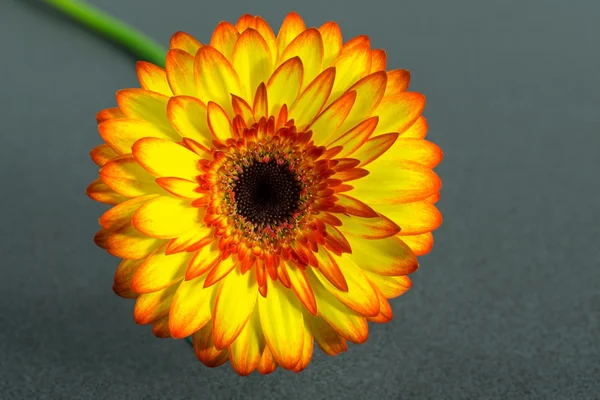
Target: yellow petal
column 310, row 103
column 180, row 187
column 191, row 308
column 251, row 59
column 99, row 191
column 224, row 37
column 151, row 307
column 218, row 122
column 160, row 270
column 369, row 93
column 109, row 113
column 413, row 218
column 127, row 242
column 375, row 147
column 302, row 288
column 308, row 344
column 126, row 176
column 309, row 47
column 351, row 66
column 185, row 42
column 122, row 213
column 282, row 322
column 401, row 182
column 234, row 304
column 422, row 151
column 267, row 363
column 164, row 158
column 360, row 295
column 147, row 106
column 246, row 351
column 344, row 321
column 397, row 82
column 332, row 117
column 285, row 84
column 188, row 116
column 378, row 60
column 180, row 72
column 332, row 42
column 390, row 286
column 291, row 27
column 167, row 217
column 419, row 244
column 205, row 349
column 123, row 276
column 327, row 339
column 368, row 228
column 353, row 139
column 215, row 78
column 121, row 133
column 418, row 130
column 153, row 78
column 389, row 256
column 102, row 154
column 398, row 112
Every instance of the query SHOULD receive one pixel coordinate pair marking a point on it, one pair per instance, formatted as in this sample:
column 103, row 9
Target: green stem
column 134, row 41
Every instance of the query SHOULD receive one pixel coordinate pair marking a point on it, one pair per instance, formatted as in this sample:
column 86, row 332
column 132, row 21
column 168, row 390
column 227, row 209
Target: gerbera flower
column 268, row 192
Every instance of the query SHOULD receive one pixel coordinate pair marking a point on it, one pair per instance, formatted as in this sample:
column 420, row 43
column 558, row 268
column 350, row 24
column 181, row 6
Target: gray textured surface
column 505, row 307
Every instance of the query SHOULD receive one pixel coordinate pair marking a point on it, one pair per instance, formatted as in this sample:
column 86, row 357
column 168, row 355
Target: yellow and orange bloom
column 268, row 192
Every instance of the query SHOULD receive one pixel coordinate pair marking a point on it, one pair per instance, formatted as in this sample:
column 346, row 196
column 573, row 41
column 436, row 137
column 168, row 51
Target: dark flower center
column 267, row 193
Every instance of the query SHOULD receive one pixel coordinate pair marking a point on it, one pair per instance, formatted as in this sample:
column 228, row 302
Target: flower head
column 268, row 192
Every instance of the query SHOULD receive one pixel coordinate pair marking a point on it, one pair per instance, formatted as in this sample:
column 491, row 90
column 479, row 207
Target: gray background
column 506, row 306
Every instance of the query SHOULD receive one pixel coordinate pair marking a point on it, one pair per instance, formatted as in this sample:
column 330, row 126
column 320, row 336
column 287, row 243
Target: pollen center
column 267, row 193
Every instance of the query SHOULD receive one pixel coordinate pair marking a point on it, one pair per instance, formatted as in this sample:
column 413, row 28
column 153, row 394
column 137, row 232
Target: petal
column 179, row 187
column 109, row 113
column 251, row 59
column 185, row 42
column 125, row 176
column 218, row 122
column 413, row 218
column 332, row 42
column 385, row 309
column 121, row 133
column 422, row 151
column 151, row 307
column 390, row 286
column 378, row 60
column 205, row 349
column 215, row 78
column 332, row 117
column 121, row 214
column 128, row 242
column 191, row 308
column 204, row 260
column 302, row 288
column 180, row 72
column 166, row 217
column 224, row 37
column 153, row 78
column 360, row 296
column 344, row 321
column 160, row 270
column 398, row 112
column 368, row 228
column 309, row 47
column 147, row 106
column 188, row 116
column 160, row 328
column 234, row 304
column 283, row 324
column 123, row 276
column 361, row 40
column 164, row 158
column 330, row 270
column 355, row 207
column 285, row 84
column 419, row 244
column 418, row 130
column 308, row 344
column 310, row 103
column 397, row 82
column 389, row 256
column 102, row 154
column 260, row 107
column 351, row 66
column 267, row 363
column 355, row 137
column 246, row 351
column 327, row 339
column 401, row 182
column 99, row 191
column 291, row 27
column 375, row 147
column 267, row 33
column 369, row 93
